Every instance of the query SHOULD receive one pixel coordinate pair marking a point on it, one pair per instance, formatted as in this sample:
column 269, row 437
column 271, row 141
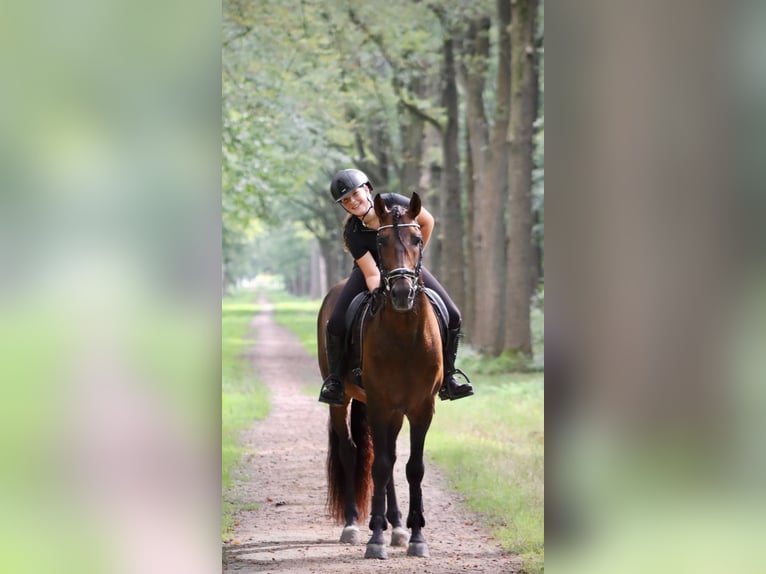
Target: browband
column 399, row 225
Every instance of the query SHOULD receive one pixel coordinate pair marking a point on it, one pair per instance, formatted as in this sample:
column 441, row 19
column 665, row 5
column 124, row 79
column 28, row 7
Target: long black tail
column 363, row 456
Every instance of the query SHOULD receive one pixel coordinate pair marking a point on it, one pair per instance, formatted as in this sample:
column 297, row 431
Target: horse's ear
column 380, row 207
column 415, row 205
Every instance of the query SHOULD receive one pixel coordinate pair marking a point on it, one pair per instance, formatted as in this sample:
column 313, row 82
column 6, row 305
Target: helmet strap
column 366, row 212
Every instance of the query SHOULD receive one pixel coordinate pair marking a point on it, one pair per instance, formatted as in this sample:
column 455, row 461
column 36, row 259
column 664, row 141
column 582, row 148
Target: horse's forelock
column 396, row 213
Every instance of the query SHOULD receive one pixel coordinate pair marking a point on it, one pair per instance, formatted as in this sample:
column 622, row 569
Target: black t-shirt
column 360, row 239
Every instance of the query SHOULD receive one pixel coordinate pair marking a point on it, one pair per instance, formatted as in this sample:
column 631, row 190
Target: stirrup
column 332, row 394
column 461, row 390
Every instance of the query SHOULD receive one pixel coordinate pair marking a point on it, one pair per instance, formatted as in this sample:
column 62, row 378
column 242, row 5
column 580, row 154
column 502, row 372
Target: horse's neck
column 414, row 320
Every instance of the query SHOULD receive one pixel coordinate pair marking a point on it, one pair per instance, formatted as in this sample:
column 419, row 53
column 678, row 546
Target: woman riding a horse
column 352, row 190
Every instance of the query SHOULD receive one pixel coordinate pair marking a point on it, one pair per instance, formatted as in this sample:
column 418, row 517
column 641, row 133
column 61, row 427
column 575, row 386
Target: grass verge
column 243, row 398
column 491, row 447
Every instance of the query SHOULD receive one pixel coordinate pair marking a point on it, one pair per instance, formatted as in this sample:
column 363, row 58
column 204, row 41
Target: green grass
column 243, row 398
column 491, row 448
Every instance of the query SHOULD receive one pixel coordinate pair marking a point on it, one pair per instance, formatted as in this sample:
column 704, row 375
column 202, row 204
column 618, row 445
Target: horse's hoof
column 376, row 551
column 400, row 536
column 350, row 535
column 418, row 549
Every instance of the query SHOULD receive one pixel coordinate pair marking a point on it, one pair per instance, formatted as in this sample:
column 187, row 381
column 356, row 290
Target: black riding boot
column 332, row 387
column 451, row 389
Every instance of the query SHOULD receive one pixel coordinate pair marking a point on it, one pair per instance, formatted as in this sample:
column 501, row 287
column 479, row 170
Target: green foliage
column 310, row 86
column 243, row 398
column 283, row 250
column 237, row 253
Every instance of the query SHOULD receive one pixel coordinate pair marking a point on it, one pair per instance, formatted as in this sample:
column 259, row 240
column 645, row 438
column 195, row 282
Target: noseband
column 388, row 277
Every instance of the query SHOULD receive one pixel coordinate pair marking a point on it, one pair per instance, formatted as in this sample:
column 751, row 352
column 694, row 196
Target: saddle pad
column 361, row 300
column 441, row 311
column 357, row 304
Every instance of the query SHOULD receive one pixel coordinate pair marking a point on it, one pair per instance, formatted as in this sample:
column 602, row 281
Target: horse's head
column 400, row 251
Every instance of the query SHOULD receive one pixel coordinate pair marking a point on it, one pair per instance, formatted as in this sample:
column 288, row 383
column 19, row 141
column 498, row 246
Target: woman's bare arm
column 369, row 270
column 426, row 222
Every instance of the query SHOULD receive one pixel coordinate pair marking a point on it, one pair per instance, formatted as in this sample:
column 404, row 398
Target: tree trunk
column 412, row 131
column 318, row 273
column 491, row 198
column 451, row 233
column 432, row 256
column 469, row 313
column 329, row 250
column 474, row 68
column 518, row 335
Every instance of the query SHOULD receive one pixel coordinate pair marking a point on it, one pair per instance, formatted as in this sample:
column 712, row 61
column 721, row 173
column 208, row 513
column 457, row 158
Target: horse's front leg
column 382, row 467
column 399, row 535
column 415, row 471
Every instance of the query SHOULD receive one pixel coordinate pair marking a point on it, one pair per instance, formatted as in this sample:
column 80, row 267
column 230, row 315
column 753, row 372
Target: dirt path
column 290, row 532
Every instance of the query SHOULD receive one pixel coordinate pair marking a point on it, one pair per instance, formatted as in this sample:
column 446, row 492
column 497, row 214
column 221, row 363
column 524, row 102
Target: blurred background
column 110, row 324
column 155, row 155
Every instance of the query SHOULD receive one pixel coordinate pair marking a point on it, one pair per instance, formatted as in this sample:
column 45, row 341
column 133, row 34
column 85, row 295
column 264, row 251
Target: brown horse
column 402, row 369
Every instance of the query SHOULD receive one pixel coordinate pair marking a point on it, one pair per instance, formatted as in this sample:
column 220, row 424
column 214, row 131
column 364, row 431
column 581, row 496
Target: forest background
column 440, row 98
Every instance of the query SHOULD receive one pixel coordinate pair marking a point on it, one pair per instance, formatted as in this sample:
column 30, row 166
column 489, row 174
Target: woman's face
column 356, row 202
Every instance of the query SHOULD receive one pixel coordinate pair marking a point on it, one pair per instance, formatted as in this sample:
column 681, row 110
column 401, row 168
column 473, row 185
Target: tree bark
column 518, row 335
column 474, row 69
column 469, row 313
column 432, row 256
column 328, row 247
column 412, row 130
column 451, row 233
column 491, row 168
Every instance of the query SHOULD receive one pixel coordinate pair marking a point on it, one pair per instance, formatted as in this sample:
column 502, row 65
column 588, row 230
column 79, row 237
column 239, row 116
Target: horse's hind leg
column 350, row 534
column 342, row 476
column 415, row 470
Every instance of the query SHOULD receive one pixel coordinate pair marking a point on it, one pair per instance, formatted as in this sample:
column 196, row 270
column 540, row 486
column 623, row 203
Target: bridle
column 387, row 277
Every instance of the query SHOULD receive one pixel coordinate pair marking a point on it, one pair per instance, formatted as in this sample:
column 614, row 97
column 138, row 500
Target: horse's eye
column 417, row 240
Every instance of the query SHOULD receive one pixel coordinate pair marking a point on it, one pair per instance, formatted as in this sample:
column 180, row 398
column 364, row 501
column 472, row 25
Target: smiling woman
column 353, row 191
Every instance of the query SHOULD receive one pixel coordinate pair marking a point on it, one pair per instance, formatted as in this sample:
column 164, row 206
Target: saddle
column 361, row 308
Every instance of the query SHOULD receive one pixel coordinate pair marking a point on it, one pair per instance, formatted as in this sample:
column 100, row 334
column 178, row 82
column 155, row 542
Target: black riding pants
column 356, row 284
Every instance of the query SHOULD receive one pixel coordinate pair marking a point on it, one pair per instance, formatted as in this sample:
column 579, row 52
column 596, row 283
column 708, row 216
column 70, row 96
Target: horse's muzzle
column 403, row 293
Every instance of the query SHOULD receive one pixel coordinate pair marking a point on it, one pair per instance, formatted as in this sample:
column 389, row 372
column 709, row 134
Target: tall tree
column 489, row 149
column 473, row 67
column 524, row 102
column 453, row 267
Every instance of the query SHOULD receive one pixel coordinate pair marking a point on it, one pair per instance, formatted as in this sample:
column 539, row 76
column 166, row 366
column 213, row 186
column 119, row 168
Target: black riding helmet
column 346, row 181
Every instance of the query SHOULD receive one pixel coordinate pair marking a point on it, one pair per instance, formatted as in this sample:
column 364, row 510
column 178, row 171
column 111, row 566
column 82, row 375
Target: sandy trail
column 285, row 477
